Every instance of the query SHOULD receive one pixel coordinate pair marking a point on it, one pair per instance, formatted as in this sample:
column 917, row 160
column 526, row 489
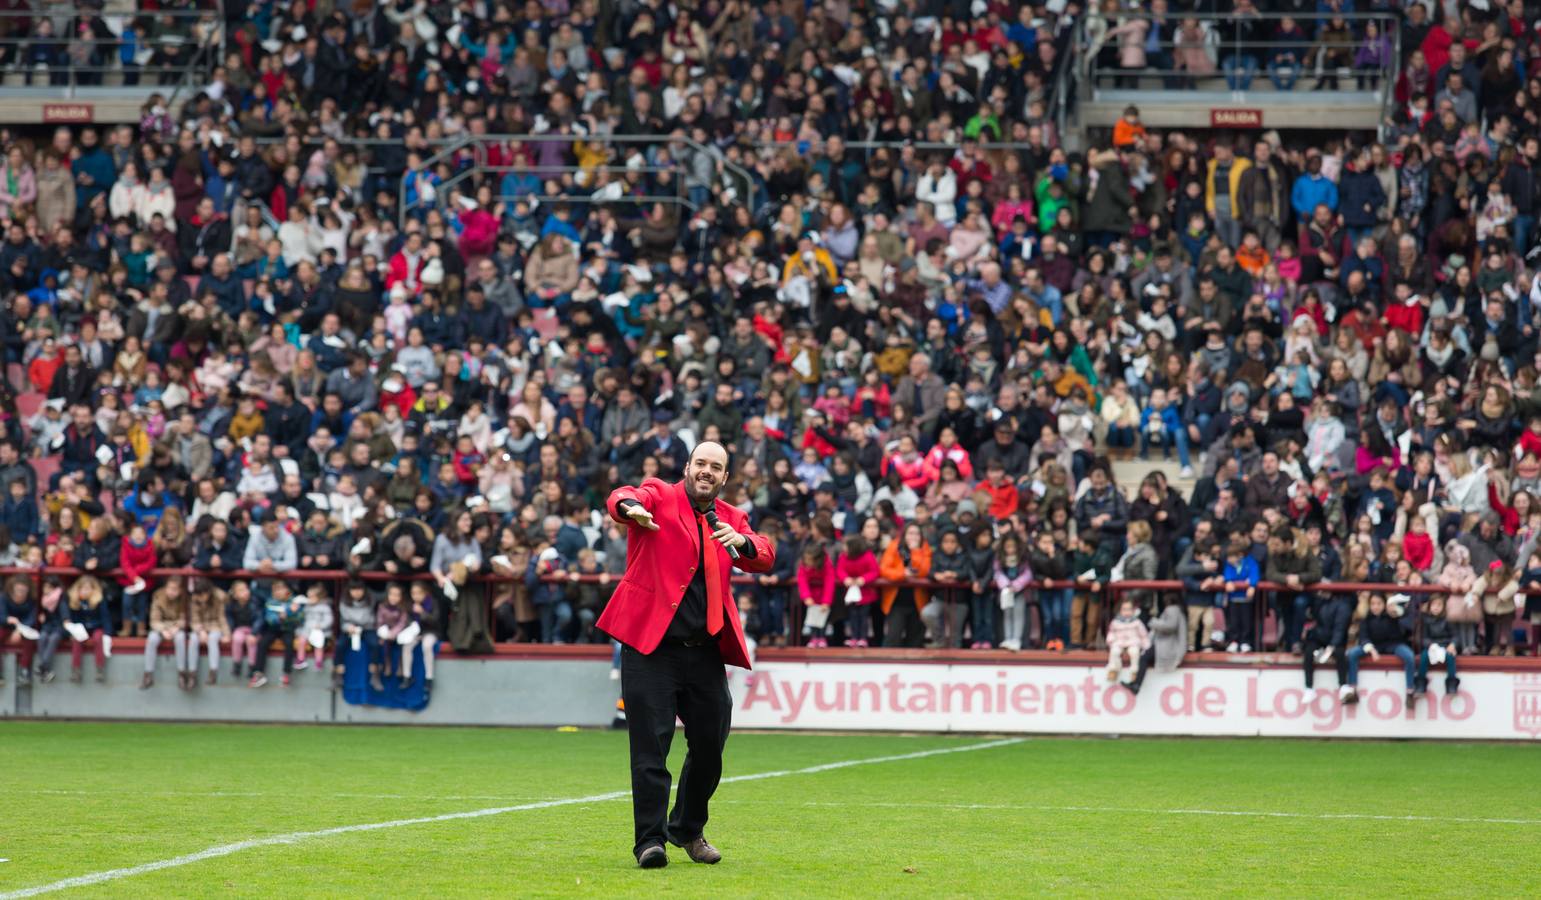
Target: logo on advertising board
column 1078, row 700
column 1527, row 704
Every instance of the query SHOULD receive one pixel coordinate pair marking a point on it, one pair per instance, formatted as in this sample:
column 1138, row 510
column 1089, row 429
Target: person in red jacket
column 136, row 557
column 857, row 568
column 674, row 615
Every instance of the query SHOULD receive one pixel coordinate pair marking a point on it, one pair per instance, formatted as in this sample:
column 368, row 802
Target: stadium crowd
column 243, row 341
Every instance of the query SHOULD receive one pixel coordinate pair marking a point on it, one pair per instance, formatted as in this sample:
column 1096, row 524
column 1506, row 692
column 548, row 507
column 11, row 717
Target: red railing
column 950, row 592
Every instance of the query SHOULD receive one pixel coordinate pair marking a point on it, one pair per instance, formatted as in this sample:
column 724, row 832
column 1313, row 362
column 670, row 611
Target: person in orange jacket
column 1252, row 256
column 907, row 557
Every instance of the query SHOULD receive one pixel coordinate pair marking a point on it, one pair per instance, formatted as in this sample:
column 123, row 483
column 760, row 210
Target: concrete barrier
column 466, row 692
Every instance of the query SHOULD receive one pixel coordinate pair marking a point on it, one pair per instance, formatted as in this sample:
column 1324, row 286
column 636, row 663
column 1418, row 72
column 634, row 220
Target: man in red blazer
column 674, row 613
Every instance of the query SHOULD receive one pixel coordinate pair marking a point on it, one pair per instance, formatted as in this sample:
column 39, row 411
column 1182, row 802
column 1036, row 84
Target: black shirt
column 689, row 622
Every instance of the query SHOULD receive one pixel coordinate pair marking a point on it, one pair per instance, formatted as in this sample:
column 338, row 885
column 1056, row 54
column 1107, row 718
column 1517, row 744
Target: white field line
column 300, row 836
column 126, row 792
column 1124, row 810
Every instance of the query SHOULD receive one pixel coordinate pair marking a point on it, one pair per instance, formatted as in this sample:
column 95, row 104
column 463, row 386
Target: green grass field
column 1032, row 817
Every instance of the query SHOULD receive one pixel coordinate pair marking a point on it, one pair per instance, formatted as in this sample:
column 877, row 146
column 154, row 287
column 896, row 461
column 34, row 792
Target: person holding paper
column 357, row 612
column 317, row 626
column 673, row 612
column 816, row 589
column 89, row 622
column 16, row 628
column 47, row 623
column 136, row 557
column 394, row 618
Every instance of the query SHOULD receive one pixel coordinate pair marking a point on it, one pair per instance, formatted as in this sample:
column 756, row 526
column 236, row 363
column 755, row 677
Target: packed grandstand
column 354, row 339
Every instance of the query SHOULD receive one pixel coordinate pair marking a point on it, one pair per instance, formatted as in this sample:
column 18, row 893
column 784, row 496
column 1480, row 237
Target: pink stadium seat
column 45, row 466
column 29, row 403
column 545, row 323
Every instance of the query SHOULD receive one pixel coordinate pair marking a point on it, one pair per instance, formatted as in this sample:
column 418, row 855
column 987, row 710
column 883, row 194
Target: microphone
column 711, row 519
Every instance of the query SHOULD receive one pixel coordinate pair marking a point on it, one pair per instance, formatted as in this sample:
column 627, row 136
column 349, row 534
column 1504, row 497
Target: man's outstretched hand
column 641, row 517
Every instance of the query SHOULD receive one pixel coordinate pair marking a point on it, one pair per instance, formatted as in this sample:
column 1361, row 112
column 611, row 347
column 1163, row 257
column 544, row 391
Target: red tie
column 709, row 553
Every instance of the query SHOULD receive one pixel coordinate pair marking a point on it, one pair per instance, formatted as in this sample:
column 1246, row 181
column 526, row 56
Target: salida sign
column 1068, row 699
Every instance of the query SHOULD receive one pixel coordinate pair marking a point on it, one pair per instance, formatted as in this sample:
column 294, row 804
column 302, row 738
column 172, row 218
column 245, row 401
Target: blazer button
column 675, row 604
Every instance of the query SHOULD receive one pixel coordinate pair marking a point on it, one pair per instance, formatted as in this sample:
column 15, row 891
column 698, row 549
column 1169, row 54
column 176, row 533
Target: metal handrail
column 1388, row 94
column 453, row 146
column 1310, row 51
column 76, row 11
column 201, row 61
column 1109, row 591
column 458, row 178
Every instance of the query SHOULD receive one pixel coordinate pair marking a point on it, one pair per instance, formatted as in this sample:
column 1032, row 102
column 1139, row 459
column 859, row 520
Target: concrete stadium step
column 1128, row 473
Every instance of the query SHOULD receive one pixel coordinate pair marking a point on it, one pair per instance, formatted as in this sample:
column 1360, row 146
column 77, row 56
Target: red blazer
column 660, row 564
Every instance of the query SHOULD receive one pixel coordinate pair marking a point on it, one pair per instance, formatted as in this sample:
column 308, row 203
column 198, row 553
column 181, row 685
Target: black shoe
column 1452, row 684
column 654, row 857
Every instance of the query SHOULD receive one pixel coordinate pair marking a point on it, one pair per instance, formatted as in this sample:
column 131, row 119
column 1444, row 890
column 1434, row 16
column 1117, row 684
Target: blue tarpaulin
column 355, row 682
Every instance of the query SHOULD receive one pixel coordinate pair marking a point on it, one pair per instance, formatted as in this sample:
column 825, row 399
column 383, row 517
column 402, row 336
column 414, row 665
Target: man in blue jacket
column 1312, row 189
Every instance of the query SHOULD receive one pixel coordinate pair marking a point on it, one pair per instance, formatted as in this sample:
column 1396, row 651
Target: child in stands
column 392, row 617
column 49, row 621
column 317, row 627
column 1461, row 609
column 1127, row 639
column 358, row 632
column 16, row 628
column 816, row 588
column 425, row 616
column 282, row 613
column 243, row 619
column 1381, row 633
column 858, row 569
column 205, row 622
column 1241, row 577
column 168, row 621
column 1438, row 646
column 87, row 610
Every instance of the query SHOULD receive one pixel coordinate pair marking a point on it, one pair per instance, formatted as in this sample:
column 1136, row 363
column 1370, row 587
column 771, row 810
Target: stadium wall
column 849, row 694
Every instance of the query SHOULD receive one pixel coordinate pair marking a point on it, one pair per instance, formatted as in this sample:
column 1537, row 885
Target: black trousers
column 688, row 682
column 1316, row 639
column 265, row 639
column 1147, row 661
column 904, row 628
